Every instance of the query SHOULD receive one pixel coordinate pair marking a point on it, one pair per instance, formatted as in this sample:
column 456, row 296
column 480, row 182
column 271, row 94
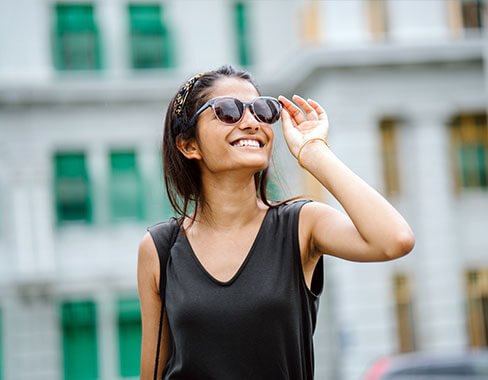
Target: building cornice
column 159, row 86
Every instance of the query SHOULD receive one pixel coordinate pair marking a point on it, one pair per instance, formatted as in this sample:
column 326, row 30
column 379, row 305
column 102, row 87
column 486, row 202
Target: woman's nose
column 248, row 120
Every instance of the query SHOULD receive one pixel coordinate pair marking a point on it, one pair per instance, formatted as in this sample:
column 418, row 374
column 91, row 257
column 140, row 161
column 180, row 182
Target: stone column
column 43, row 212
column 22, row 229
column 438, row 269
column 97, row 165
column 107, row 335
column 112, row 17
column 360, row 292
column 148, row 160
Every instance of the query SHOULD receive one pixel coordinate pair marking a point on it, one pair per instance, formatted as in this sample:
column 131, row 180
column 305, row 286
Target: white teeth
column 247, row 143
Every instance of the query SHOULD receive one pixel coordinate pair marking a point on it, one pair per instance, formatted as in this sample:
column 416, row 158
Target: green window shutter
column 126, row 192
column 130, row 333
column 149, row 36
column 72, row 188
column 76, row 39
column 241, row 20
column 79, row 340
column 482, row 159
column 469, row 150
column 473, row 165
column 472, row 13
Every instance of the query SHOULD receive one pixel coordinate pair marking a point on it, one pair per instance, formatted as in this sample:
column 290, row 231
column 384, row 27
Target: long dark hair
column 182, row 176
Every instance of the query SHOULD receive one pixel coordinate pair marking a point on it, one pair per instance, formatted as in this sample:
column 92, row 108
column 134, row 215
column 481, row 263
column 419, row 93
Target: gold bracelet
column 315, row 138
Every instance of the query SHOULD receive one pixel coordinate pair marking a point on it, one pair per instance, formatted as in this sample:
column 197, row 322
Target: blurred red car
column 469, row 365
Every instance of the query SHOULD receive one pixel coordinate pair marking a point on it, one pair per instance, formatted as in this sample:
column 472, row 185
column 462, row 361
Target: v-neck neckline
column 243, row 264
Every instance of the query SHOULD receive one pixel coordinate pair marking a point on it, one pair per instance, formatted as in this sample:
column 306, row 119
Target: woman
column 244, row 276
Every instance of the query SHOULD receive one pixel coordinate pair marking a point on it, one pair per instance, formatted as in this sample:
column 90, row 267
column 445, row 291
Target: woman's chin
column 253, row 166
column 258, row 164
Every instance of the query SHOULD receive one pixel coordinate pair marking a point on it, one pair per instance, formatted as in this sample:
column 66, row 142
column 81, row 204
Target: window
column 472, row 14
column 125, row 187
column 404, row 313
column 469, row 146
column 79, row 340
column 376, row 13
column 388, row 129
column 130, row 333
column 477, row 307
column 466, row 17
column 310, row 21
column 72, row 188
column 76, row 40
column 242, row 31
column 150, row 42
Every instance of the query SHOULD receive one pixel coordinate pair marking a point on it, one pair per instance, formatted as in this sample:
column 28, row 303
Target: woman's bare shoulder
column 148, row 261
column 147, row 248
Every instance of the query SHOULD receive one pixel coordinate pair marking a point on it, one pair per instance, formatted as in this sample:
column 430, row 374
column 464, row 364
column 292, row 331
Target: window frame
column 388, row 130
column 404, row 313
column 83, row 176
column 468, row 129
column 476, row 282
column 159, row 30
column 63, row 29
column 136, row 175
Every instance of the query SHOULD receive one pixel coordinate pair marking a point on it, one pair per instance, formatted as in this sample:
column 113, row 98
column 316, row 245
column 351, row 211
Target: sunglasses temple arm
column 195, row 117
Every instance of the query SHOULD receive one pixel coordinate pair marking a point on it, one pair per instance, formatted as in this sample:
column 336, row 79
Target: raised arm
column 374, row 230
column 147, row 283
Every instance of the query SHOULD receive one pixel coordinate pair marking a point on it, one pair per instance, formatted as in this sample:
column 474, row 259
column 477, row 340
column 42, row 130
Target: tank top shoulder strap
column 294, row 212
column 291, row 210
column 164, row 235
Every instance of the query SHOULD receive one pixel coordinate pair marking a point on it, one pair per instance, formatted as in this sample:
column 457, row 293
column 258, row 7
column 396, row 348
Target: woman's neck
column 231, row 203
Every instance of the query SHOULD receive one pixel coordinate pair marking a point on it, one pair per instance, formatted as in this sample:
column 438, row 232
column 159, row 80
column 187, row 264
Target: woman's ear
column 189, row 148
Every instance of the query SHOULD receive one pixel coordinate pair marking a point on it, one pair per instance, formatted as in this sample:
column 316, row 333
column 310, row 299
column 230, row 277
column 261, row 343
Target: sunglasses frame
column 250, row 104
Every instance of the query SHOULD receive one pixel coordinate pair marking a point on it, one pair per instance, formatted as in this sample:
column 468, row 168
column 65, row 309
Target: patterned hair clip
column 182, row 95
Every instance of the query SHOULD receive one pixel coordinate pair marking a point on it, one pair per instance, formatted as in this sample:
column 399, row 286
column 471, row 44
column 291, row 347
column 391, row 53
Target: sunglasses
column 230, row 110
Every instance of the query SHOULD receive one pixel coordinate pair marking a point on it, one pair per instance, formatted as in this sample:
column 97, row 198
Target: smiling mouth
column 252, row 147
column 250, row 144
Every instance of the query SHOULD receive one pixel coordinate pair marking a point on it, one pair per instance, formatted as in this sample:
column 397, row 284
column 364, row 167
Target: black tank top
column 259, row 324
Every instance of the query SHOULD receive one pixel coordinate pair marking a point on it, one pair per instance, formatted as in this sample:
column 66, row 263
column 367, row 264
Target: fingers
column 290, row 132
column 318, row 108
column 296, row 113
column 286, row 120
column 311, row 114
column 312, row 109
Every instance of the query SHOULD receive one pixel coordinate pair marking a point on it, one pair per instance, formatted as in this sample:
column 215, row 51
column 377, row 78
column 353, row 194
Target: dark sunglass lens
column 228, row 110
column 267, row 110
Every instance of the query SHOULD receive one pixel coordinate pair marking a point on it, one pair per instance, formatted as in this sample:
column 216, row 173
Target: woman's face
column 215, row 139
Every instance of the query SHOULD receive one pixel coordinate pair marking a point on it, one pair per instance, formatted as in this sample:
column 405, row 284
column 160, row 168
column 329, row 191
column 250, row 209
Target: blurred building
column 83, row 91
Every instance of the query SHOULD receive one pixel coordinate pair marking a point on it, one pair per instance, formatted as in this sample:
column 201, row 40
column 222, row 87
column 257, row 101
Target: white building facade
column 83, row 91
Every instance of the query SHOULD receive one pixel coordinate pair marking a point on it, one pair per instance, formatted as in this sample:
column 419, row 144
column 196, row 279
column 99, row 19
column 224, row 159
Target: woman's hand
column 299, row 127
